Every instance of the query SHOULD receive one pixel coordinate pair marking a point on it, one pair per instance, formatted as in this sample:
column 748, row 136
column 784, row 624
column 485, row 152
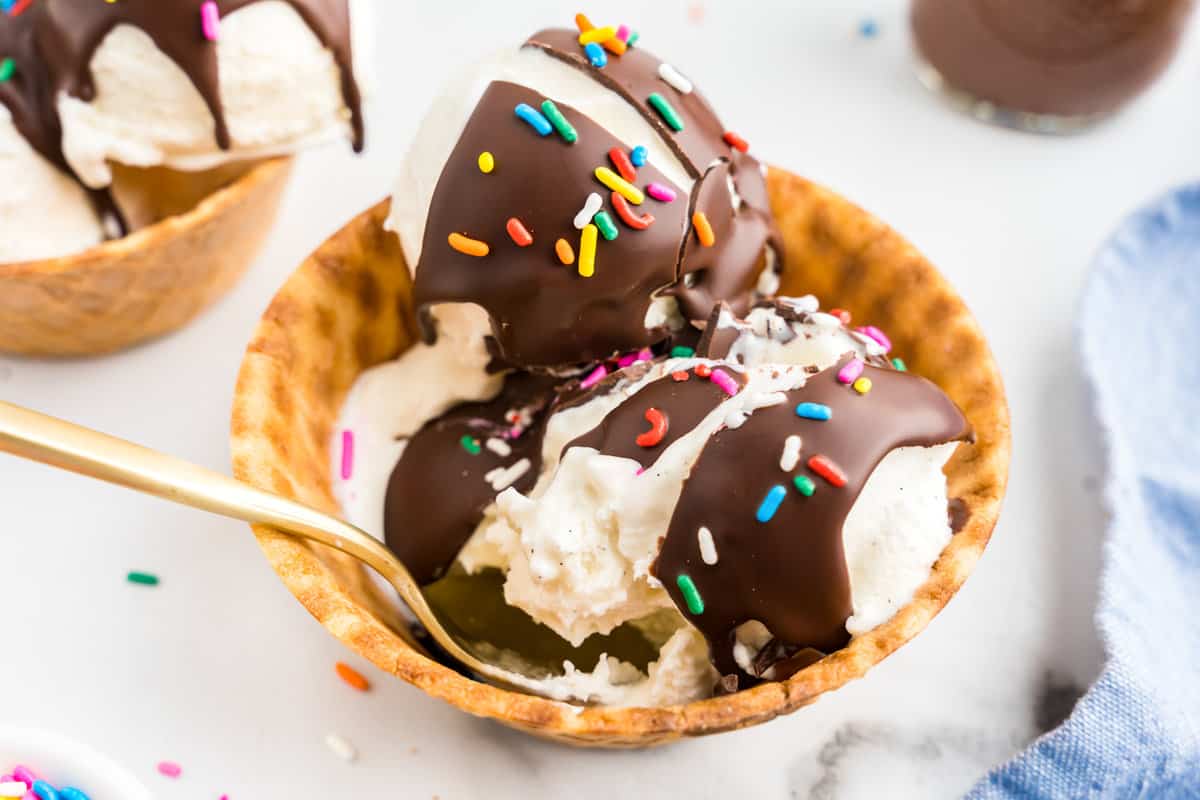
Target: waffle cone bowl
column 194, row 236
column 348, row 308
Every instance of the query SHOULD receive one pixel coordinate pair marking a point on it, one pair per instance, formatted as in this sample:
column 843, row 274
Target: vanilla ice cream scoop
column 590, row 205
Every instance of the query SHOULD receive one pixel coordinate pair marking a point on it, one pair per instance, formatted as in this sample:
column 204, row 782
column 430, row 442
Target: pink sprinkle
column 24, row 774
column 170, row 769
column 347, row 455
column 627, row 359
column 623, row 33
column 30, row 796
column 210, row 20
column 640, row 471
column 728, row 384
column 591, row 380
column 850, row 372
column 661, row 193
column 644, row 354
column 877, row 335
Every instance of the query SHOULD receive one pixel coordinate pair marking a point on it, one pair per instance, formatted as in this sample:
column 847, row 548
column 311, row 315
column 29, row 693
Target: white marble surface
column 222, row 671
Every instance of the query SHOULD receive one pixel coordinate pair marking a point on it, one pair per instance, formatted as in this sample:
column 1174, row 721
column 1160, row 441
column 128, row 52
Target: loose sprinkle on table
column 341, row 747
column 531, row 115
column 666, row 111
column 352, row 677
column 468, row 246
column 619, row 185
column 587, row 251
column 591, row 205
column 658, row 429
column 661, row 193
column 169, row 769
column 596, row 56
column 704, row 231
column 621, row 206
column 347, row 454
column 518, row 232
column 471, row 445
column 817, row 411
column 608, row 228
column 680, row 351
column 770, row 503
column 565, row 129
column 638, row 156
column 487, row 162
column 674, row 78
column 691, row 595
column 141, row 579
column 708, row 548
column 564, row 251
column 621, row 161
column 736, row 142
column 791, row 453
column 850, row 372
column 804, row 485
column 827, row 469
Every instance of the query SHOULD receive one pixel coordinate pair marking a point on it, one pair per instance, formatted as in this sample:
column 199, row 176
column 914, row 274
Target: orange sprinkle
column 703, row 229
column 519, row 233
column 353, row 677
column 841, row 314
column 735, row 141
column 583, row 23
column 566, row 253
column 468, row 246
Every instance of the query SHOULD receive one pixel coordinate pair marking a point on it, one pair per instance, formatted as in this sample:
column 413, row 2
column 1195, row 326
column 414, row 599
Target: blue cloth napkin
column 1136, row 733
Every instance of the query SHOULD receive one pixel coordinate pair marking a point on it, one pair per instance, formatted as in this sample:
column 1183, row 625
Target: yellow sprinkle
column 566, row 253
column 597, row 34
column 619, row 185
column 862, row 385
column 587, row 250
column 487, row 162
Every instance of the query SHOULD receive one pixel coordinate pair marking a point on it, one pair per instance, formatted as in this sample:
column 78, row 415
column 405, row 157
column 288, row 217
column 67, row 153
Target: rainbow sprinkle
column 8, row 68
column 736, row 142
column 658, row 429
column 210, row 20
column 804, row 485
column 633, row 37
column 471, row 445
column 591, row 206
column 621, row 161
column 565, row 129
column 880, row 338
column 596, row 55
column 597, row 35
column 564, row 251
column 680, row 351
column 596, row 375
column 899, row 365
column 638, row 156
column 487, row 162
column 816, row 411
column 623, row 33
column 661, row 193
column 722, row 379
column 674, row 78
column 849, row 373
column 170, row 769
column 691, row 595
column 468, row 246
column 770, row 503
column 619, row 185
column 535, row 119
column 587, row 251
column 141, row 579
column 827, row 469
column 608, row 228
column 518, row 232
column 347, row 454
column 703, row 228
column 666, row 111
column 862, row 385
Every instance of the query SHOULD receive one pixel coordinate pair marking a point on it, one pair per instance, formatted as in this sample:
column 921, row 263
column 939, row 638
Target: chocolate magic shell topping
column 563, row 285
column 775, row 534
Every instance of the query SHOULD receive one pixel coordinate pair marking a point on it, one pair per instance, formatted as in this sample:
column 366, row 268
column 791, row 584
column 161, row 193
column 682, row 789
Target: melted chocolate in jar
column 790, row 573
column 1066, row 57
column 72, row 30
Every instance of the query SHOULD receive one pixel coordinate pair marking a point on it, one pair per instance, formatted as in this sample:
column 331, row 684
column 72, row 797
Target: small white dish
column 63, row 762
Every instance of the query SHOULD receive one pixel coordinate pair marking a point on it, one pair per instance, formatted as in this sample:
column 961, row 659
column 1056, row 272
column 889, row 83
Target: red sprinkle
column 658, row 428
column 703, row 370
column 352, row 676
column 621, row 206
column 18, row 7
column 824, row 466
column 735, row 141
column 620, row 160
column 518, row 232
column 680, row 376
column 841, row 314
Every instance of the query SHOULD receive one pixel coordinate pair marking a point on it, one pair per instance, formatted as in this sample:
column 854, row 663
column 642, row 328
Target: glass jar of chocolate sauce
column 1053, row 66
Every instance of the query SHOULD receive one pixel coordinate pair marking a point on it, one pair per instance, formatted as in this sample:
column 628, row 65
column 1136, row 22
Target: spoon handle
column 62, row 444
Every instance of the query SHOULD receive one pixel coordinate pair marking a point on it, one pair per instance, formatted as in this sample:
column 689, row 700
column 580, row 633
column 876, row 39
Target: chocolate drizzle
column 71, row 30
column 684, row 403
column 790, row 573
column 545, row 314
column 438, row 491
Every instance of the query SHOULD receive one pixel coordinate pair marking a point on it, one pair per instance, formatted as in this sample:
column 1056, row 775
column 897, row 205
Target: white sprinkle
column 499, row 447
column 823, row 320
column 590, row 207
column 501, row 478
column 808, row 303
column 13, row 789
column 341, row 748
column 768, row 282
column 708, row 548
column 675, row 78
column 735, row 199
column 791, row 453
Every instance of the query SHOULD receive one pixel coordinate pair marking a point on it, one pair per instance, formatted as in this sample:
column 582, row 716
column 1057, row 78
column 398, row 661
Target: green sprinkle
column 805, row 485
column 633, row 37
column 564, row 128
column 664, row 109
column 899, row 364
column 682, row 352
column 691, row 594
column 604, row 222
column 7, row 68
column 470, row 445
column 142, row 578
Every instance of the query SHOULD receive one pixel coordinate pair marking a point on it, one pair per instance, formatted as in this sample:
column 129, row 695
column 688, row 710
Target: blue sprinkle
column 45, row 791
column 817, row 411
column 6, row 5
column 595, row 54
column 638, row 156
column 770, row 503
column 71, row 793
column 535, row 119
column 868, row 29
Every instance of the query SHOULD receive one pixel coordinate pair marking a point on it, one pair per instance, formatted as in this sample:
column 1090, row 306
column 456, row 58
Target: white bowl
column 63, row 762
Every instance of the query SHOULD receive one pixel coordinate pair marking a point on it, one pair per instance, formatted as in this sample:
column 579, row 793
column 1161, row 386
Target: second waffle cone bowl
column 349, row 307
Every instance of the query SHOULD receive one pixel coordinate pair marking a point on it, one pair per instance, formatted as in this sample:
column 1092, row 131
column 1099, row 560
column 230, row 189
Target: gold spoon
column 61, row 444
